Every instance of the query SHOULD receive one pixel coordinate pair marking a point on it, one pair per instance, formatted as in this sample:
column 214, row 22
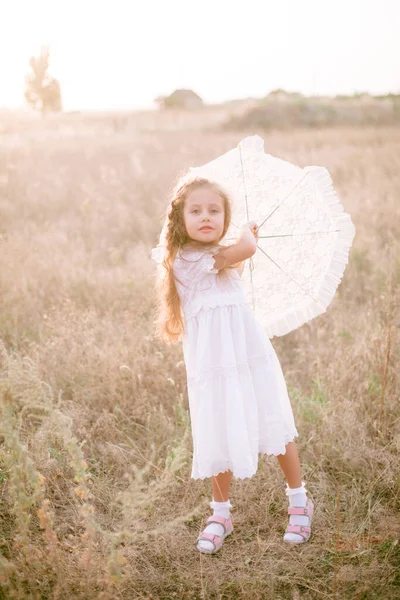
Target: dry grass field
column 96, row 499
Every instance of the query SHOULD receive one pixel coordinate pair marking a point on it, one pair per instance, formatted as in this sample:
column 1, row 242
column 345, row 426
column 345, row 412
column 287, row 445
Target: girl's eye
column 213, row 210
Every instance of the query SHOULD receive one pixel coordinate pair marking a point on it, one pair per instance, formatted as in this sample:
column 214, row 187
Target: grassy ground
column 96, row 499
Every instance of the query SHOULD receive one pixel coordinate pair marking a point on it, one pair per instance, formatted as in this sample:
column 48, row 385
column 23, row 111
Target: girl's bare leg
column 221, row 484
column 290, row 465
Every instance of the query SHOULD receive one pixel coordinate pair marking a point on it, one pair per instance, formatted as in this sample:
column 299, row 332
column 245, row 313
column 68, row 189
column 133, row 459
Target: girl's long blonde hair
column 169, row 324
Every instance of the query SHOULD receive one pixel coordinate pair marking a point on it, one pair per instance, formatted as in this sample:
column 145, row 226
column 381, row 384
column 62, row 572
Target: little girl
column 238, row 400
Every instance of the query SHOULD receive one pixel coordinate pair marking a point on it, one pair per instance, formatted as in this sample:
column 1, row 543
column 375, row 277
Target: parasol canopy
column 304, row 235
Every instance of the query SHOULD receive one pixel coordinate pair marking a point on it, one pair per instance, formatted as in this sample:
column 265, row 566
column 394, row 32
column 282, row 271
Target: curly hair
column 169, row 325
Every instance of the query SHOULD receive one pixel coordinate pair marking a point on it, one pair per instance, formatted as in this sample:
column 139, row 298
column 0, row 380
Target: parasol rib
column 290, row 234
column 293, row 234
column 251, row 264
column 285, row 197
column 296, row 282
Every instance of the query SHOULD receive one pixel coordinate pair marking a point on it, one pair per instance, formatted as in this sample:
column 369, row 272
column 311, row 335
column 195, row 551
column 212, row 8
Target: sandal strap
column 209, row 536
column 217, row 519
column 298, row 510
column 221, row 520
column 298, row 529
column 302, row 510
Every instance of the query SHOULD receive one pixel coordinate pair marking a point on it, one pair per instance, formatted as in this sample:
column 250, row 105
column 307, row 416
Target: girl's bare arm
column 236, row 253
column 244, row 248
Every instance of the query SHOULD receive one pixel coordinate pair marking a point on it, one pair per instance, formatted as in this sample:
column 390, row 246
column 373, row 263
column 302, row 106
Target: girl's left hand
column 252, row 225
column 254, row 229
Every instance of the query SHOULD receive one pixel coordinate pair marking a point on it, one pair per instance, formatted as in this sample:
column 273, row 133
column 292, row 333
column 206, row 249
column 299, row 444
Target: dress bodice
column 201, row 285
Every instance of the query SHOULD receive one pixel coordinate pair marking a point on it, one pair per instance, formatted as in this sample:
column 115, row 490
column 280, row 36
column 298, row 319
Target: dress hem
column 268, row 452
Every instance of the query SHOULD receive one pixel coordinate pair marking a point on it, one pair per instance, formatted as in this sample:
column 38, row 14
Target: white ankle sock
column 297, row 497
column 221, row 509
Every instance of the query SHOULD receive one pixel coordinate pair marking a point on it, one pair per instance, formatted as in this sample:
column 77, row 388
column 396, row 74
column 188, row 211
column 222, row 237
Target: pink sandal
column 216, row 540
column 303, row 530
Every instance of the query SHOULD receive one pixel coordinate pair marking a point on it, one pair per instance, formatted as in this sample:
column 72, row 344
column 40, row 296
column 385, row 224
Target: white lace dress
column 238, row 400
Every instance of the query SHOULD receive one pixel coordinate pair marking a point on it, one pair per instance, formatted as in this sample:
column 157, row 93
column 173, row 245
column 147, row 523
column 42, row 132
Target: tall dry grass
column 95, row 447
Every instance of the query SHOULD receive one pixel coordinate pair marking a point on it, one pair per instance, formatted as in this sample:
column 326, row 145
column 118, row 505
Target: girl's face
column 204, row 207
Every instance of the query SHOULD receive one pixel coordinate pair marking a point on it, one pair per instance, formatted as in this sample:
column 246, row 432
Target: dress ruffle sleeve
column 157, row 254
column 192, row 266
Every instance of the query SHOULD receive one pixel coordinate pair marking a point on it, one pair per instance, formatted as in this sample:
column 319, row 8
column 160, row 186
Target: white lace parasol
column 304, row 234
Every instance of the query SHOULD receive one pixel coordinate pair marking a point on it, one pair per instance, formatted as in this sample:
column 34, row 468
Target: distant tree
column 42, row 91
column 186, row 99
column 278, row 92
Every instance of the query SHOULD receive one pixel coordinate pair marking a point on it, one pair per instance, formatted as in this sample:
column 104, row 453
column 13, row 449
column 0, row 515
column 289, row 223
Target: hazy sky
column 123, row 54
